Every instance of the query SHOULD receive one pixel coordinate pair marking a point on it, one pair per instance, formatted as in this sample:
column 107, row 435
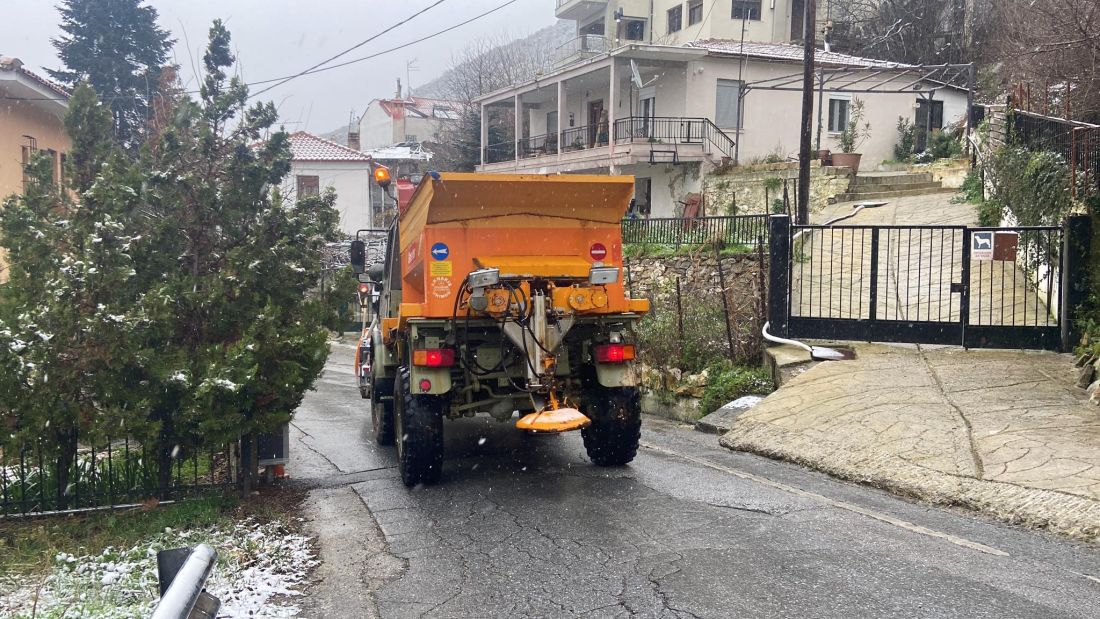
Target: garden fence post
column 725, row 301
column 1076, row 246
column 779, row 239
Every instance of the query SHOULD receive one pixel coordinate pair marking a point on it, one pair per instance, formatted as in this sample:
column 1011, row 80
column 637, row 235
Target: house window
column 595, row 28
column 728, row 104
column 695, row 12
column 746, row 10
column 634, row 29
column 838, row 115
column 675, row 19
column 308, row 186
column 410, row 137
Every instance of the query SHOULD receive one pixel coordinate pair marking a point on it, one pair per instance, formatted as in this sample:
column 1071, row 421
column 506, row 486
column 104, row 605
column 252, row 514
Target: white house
column 404, row 120
column 606, row 24
column 318, row 164
column 669, row 114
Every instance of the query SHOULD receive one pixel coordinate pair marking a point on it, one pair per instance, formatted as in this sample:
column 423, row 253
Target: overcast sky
column 275, row 38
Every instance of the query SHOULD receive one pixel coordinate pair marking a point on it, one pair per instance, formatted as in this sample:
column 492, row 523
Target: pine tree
column 117, row 46
column 68, row 338
column 241, row 340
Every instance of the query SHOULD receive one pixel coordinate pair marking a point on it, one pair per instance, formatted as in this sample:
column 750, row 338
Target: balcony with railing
column 637, row 139
column 580, row 48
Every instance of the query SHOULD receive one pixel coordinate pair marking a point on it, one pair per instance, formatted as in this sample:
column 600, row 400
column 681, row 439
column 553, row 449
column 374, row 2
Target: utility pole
column 809, row 32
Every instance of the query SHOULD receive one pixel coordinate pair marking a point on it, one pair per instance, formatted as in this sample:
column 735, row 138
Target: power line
column 350, row 49
column 395, row 48
column 319, row 69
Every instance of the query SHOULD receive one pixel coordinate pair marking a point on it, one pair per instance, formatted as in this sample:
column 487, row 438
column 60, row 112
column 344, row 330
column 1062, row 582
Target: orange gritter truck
column 503, row 295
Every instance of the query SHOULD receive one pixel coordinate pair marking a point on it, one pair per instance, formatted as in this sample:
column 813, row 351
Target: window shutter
column 727, row 115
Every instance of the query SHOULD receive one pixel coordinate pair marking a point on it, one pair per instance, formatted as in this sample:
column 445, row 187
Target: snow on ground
column 256, row 563
column 747, row 401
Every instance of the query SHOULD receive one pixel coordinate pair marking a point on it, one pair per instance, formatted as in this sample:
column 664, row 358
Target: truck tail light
column 434, row 357
column 614, row 353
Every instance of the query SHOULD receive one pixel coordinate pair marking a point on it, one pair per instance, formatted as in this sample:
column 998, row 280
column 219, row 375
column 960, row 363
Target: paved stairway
column 879, row 185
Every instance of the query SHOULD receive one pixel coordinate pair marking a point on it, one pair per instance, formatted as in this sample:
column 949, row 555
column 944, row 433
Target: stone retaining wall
column 652, row 276
column 747, row 185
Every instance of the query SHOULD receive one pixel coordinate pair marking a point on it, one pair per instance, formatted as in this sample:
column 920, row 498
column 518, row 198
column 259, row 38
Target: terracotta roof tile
column 8, row 63
column 308, row 147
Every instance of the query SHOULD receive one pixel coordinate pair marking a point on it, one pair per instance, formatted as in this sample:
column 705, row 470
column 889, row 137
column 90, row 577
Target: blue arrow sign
column 440, row 251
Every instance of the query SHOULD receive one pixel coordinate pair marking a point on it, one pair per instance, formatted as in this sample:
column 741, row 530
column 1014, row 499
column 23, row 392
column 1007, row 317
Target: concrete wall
column 19, row 118
column 746, row 186
column 669, row 184
column 376, row 128
column 350, row 180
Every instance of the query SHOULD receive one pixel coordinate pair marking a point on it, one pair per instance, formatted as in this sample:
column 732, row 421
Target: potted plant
column 854, row 135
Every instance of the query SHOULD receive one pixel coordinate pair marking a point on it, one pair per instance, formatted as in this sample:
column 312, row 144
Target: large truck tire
column 381, row 411
column 616, row 413
column 419, row 431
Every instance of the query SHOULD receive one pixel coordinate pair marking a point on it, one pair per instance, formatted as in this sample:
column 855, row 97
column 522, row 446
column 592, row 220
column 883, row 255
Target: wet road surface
column 527, row 526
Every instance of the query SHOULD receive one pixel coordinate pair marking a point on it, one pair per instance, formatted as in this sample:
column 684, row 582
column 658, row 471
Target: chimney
column 353, row 133
column 398, row 88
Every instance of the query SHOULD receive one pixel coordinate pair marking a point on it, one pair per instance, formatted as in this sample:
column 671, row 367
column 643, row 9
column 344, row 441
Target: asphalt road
column 527, row 526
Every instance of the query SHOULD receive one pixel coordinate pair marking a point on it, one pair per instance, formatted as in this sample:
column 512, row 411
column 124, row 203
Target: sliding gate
column 974, row 287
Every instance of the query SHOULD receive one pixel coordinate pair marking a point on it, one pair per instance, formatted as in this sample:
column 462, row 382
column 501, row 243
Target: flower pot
column 847, row 160
column 825, row 156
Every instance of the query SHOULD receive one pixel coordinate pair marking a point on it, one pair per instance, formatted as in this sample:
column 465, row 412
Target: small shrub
column 778, row 208
column 972, row 189
column 907, row 138
column 857, row 132
column 944, row 145
column 727, row 382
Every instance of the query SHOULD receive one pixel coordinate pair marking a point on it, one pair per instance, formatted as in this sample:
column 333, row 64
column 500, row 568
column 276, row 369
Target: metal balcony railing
column 673, row 130
column 583, row 46
column 656, row 131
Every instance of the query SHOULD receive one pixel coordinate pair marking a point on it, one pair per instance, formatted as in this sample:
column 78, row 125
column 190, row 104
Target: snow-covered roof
column 784, row 51
column 406, row 151
column 305, row 146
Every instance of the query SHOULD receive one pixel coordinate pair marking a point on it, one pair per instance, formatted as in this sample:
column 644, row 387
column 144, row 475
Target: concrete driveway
column 1005, row 432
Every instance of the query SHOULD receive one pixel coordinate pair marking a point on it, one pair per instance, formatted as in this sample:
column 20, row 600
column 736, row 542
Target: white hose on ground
column 817, row 353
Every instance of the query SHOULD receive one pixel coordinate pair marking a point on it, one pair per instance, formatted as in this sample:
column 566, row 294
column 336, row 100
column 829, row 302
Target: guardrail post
column 1076, row 247
column 183, row 596
column 779, row 238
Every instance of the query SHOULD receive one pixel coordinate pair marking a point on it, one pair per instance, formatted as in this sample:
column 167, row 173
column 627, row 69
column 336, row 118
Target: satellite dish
column 636, row 76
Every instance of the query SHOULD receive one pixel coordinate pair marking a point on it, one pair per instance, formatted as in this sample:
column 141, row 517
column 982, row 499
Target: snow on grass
column 257, row 562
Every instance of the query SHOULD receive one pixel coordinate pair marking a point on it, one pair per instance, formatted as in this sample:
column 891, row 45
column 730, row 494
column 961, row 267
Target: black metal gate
column 974, row 287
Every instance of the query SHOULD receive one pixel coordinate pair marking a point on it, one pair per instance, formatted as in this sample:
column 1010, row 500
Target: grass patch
column 727, row 382
column 27, row 546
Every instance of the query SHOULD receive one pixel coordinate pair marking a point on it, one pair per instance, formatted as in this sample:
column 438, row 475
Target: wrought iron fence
column 980, row 287
column 584, row 136
column 38, row 477
column 501, row 151
column 538, row 145
column 728, row 230
column 1078, row 143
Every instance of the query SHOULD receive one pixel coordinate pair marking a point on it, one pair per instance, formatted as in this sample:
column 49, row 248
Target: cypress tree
column 68, row 335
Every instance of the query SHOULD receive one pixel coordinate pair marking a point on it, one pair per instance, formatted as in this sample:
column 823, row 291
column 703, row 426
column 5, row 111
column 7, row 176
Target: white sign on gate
column 981, row 245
